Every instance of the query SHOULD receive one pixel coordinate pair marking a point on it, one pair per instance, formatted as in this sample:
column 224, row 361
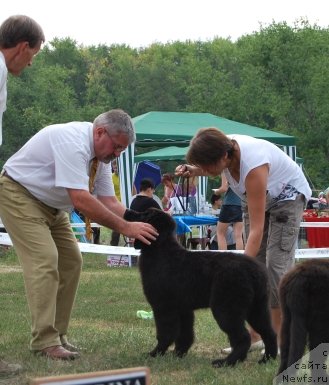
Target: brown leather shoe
column 58, row 353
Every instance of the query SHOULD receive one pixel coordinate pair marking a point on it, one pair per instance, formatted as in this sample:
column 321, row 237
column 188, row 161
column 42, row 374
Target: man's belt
column 5, row 173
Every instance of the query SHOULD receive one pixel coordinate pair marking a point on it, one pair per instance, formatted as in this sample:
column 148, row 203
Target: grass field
column 105, row 325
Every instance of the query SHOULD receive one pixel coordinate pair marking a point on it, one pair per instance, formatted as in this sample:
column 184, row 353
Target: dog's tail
column 293, row 334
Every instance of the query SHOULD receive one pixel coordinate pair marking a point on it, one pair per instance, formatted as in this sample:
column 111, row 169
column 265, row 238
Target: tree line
column 276, row 78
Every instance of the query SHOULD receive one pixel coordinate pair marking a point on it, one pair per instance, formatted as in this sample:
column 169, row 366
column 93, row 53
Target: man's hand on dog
column 142, row 231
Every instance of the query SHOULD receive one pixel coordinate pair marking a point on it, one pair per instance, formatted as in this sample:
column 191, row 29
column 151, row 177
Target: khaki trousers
column 50, row 258
column 280, row 236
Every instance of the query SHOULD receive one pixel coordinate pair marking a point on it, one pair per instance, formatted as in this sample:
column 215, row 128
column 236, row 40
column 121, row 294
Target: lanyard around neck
column 181, row 198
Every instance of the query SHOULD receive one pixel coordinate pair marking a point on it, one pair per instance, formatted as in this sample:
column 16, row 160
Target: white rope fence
column 85, row 247
column 124, row 250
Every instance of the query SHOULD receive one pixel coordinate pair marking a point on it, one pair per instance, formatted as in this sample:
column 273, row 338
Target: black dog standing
column 304, row 298
column 177, row 281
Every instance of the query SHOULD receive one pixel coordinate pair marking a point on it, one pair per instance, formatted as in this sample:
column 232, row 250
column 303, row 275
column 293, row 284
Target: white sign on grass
column 133, row 376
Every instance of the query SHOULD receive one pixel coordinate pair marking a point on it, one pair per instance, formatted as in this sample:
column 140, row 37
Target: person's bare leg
column 276, row 324
column 221, row 235
column 238, row 229
column 254, row 336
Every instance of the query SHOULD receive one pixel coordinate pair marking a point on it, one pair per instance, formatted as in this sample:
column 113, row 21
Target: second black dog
column 177, row 281
column 304, row 301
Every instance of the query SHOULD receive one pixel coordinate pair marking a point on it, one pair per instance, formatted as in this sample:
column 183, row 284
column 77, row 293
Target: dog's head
column 161, row 221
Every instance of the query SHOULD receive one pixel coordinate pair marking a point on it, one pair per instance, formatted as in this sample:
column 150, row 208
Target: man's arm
column 109, row 212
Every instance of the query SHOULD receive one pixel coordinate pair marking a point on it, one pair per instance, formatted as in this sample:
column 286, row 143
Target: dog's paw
column 266, row 358
column 179, row 353
column 219, row 363
column 156, row 353
column 263, row 360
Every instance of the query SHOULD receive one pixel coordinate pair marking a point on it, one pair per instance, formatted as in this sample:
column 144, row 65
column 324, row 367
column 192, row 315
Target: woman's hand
column 182, row 170
column 186, row 170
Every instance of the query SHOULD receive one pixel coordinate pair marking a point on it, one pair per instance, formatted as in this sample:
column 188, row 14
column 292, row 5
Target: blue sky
column 139, row 23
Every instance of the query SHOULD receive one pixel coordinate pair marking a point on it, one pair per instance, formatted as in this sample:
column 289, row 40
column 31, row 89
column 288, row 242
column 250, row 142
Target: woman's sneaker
column 279, row 351
column 258, row 345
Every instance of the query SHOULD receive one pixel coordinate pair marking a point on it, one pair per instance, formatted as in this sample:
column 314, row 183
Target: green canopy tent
column 176, row 153
column 168, row 129
column 164, row 129
column 166, row 153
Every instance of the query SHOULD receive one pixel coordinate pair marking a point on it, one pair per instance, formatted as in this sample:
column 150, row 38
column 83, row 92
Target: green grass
column 105, row 324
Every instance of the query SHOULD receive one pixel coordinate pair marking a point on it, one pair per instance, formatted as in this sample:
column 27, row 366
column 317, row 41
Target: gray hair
column 20, row 28
column 116, row 122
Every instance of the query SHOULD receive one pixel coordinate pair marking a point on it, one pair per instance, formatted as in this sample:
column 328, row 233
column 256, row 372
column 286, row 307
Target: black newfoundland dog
column 177, row 281
column 304, row 298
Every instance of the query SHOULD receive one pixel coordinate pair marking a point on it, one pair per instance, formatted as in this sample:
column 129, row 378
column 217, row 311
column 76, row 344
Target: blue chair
column 149, row 170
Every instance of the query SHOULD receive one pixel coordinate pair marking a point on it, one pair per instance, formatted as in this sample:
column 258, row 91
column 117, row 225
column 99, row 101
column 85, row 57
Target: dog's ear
column 132, row 216
column 159, row 219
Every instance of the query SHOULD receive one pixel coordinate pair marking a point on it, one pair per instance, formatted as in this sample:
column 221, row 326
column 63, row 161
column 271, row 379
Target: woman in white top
column 273, row 191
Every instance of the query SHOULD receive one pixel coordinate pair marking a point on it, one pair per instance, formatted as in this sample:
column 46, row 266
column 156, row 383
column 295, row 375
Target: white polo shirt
column 56, row 158
column 3, row 90
column 285, row 179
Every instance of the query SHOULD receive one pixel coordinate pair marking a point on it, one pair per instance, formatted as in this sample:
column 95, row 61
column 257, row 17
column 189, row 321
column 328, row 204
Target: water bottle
column 202, row 204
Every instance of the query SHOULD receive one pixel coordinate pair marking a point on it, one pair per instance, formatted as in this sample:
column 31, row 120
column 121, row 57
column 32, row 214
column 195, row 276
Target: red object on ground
column 317, row 236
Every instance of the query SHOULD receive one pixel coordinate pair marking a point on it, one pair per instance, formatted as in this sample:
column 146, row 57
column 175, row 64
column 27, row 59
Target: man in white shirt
column 43, row 181
column 20, row 39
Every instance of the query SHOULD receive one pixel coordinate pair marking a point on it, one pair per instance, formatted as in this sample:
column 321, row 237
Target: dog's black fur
column 177, row 281
column 304, row 300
